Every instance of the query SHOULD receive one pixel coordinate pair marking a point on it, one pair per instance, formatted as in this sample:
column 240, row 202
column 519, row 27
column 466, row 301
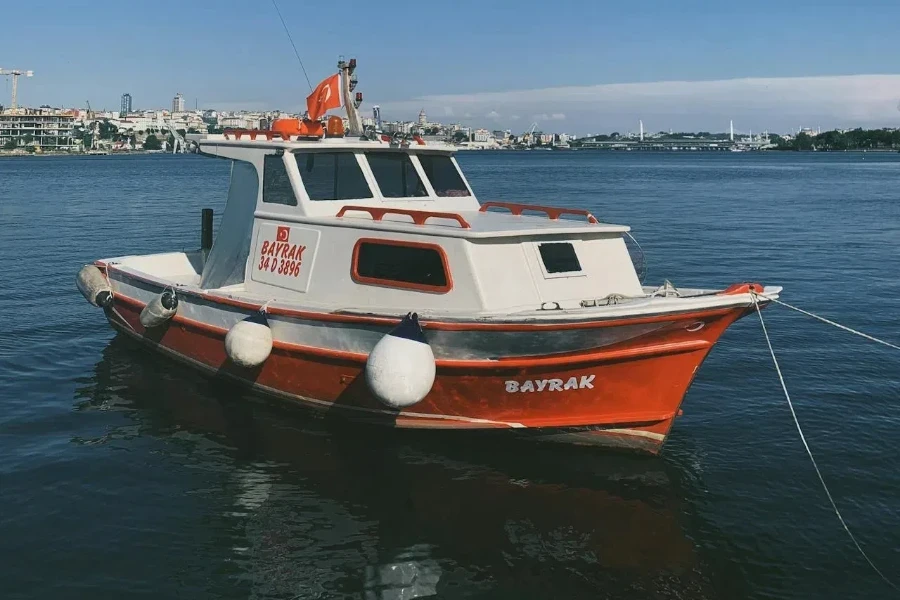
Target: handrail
column 418, row 216
column 553, row 213
column 252, row 133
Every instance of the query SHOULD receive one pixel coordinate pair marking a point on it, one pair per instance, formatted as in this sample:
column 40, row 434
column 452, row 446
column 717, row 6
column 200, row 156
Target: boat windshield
column 443, row 174
column 395, row 174
column 332, row 176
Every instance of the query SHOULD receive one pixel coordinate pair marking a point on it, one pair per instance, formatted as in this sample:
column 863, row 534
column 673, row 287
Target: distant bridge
column 680, row 144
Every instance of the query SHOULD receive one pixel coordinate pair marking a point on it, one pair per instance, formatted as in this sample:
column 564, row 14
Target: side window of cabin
column 444, row 176
column 406, row 265
column 396, row 175
column 332, row 176
column 276, row 185
column 559, row 257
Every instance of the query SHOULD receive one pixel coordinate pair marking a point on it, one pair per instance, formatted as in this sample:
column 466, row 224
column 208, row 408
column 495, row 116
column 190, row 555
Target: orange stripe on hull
column 626, row 395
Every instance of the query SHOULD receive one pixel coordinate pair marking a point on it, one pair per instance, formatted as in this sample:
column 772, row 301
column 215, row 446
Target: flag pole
column 355, row 122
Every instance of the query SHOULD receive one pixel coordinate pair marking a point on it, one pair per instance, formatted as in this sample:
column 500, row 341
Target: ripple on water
column 126, row 475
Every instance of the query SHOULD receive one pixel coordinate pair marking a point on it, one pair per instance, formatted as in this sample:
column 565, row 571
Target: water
column 124, row 475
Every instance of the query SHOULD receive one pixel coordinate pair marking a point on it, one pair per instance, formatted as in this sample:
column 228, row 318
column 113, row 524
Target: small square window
column 559, row 257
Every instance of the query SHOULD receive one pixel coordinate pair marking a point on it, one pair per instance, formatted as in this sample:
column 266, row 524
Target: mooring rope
column 830, row 322
column 800, row 430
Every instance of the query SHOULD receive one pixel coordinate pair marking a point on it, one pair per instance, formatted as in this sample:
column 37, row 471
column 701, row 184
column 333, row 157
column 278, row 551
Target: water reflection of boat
column 389, row 511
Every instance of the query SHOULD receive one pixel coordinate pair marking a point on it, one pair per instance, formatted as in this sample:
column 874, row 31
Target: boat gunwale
column 444, row 324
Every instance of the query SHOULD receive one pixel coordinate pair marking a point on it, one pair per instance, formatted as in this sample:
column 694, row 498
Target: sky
column 575, row 66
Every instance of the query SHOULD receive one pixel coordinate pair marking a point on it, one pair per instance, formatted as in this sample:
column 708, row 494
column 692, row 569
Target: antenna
column 297, row 54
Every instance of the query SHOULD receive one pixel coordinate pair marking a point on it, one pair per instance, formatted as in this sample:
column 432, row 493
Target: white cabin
column 288, row 234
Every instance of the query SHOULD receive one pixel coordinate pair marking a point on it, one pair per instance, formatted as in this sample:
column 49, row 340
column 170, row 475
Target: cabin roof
column 481, row 225
column 208, row 141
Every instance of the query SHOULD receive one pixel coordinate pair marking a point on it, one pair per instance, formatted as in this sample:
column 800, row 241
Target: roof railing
column 552, row 212
column 419, row 217
column 253, row 133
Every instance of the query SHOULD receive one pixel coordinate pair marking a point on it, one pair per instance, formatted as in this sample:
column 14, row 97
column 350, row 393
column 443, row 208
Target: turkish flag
column 326, row 95
column 283, row 234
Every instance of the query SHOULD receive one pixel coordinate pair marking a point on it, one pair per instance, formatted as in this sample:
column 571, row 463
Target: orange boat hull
column 626, row 395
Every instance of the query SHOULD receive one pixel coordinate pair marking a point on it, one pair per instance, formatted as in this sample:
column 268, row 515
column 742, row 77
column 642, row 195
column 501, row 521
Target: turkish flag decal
column 283, row 234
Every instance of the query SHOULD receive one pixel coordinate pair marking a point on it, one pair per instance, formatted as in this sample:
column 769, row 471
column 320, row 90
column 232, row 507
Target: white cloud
column 493, row 115
column 448, row 111
column 777, row 104
column 550, row 117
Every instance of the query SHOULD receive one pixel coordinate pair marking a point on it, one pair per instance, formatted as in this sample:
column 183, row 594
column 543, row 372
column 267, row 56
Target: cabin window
column 409, row 265
column 332, row 176
column 559, row 257
column 443, row 174
column 396, row 175
column 276, row 185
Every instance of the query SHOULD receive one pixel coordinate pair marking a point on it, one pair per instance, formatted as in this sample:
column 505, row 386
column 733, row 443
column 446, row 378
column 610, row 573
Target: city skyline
column 690, row 67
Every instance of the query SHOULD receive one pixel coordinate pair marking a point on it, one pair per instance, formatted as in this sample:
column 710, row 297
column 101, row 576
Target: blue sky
column 502, row 63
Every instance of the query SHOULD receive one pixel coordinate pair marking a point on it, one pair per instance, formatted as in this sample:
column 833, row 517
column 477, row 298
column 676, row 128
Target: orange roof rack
column 418, row 216
column 552, row 212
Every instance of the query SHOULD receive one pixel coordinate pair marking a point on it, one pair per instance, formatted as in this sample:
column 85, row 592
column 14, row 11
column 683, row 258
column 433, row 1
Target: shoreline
column 8, row 154
column 13, row 154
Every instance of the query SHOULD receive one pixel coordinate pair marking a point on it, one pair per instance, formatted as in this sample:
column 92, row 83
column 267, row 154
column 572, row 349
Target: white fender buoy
column 249, row 342
column 159, row 310
column 93, row 286
column 400, row 370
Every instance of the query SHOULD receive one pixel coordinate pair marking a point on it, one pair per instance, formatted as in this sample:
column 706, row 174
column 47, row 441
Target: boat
column 357, row 273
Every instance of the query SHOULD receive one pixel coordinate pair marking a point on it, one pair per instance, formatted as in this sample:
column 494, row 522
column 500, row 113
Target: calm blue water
column 124, row 475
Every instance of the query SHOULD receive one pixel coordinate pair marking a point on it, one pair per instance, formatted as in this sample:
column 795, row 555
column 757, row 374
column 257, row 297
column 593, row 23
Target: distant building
column 44, row 129
column 376, row 116
column 125, row 107
column 397, row 127
column 234, row 122
column 481, row 135
column 178, row 103
column 423, row 119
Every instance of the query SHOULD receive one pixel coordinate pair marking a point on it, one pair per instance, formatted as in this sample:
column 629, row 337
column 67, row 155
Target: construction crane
column 15, row 77
column 530, row 134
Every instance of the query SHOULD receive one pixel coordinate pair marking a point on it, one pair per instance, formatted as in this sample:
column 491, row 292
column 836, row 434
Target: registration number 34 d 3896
column 284, row 256
column 281, row 266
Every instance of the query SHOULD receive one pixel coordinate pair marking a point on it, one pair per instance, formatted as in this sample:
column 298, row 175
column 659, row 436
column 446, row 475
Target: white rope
column 830, row 322
column 806, row 445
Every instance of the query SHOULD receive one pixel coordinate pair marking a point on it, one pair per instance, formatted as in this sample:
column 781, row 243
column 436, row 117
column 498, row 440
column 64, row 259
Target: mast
column 348, row 83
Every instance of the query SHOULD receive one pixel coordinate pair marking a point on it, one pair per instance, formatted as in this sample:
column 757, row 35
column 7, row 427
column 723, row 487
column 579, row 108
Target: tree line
column 854, row 139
